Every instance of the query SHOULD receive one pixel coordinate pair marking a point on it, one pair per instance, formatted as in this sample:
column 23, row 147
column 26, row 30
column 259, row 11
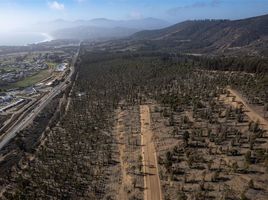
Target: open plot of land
column 253, row 115
column 129, row 142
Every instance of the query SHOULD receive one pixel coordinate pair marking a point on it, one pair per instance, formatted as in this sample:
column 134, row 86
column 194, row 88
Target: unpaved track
column 250, row 112
column 126, row 179
column 151, row 179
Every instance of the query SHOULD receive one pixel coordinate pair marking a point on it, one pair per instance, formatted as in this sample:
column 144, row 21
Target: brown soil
column 126, row 179
column 253, row 114
column 150, row 167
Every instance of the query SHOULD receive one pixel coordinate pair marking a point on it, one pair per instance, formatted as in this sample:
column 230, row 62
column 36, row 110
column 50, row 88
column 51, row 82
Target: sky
column 19, row 13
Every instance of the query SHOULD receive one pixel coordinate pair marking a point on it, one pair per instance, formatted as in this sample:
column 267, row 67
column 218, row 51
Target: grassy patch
column 31, row 80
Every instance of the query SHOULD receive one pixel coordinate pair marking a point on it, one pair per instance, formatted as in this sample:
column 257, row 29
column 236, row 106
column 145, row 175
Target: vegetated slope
column 223, row 36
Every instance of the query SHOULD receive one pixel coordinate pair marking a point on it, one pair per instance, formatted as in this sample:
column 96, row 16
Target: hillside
column 203, row 36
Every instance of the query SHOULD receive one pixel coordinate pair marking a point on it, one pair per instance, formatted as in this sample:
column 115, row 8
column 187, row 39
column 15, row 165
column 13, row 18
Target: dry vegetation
column 206, row 148
column 129, row 142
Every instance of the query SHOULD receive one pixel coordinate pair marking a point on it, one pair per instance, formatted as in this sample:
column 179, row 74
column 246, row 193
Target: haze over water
column 22, row 38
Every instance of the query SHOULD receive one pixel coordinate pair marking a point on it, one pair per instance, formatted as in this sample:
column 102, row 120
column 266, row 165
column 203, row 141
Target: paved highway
column 22, row 124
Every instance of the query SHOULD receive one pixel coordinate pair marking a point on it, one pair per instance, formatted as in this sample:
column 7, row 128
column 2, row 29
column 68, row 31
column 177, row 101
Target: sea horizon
column 23, row 38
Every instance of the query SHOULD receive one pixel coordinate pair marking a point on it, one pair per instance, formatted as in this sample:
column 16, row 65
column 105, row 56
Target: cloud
column 135, row 15
column 56, row 5
column 198, row 4
column 80, row 1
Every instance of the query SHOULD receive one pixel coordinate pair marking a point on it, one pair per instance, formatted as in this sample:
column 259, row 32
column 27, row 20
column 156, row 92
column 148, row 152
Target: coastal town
column 26, row 78
column 15, row 68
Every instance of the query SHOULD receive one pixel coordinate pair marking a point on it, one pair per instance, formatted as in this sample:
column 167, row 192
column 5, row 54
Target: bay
column 23, row 38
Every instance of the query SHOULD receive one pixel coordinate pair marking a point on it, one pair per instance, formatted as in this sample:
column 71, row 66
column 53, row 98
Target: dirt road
column 151, row 179
column 126, row 179
column 250, row 112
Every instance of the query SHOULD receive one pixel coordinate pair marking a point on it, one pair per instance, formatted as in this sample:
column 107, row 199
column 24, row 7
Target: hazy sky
column 15, row 13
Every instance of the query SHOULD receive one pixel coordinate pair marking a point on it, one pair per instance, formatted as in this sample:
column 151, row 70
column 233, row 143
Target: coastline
column 47, row 39
column 23, row 38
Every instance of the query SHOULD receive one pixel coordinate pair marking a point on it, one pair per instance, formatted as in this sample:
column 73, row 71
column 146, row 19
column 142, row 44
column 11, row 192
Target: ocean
column 23, row 38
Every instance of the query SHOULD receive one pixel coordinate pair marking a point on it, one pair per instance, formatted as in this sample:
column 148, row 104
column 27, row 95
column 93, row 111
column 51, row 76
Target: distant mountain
column 97, row 28
column 220, row 36
column 93, row 32
column 141, row 24
column 51, row 25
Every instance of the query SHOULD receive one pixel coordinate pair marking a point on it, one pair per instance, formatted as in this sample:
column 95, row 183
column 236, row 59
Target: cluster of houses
column 5, row 98
column 61, row 67
column 13, row 69
column 14, row 72
column 15, row 97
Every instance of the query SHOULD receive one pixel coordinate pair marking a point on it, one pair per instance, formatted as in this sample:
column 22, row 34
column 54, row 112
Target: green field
column 31, row 80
